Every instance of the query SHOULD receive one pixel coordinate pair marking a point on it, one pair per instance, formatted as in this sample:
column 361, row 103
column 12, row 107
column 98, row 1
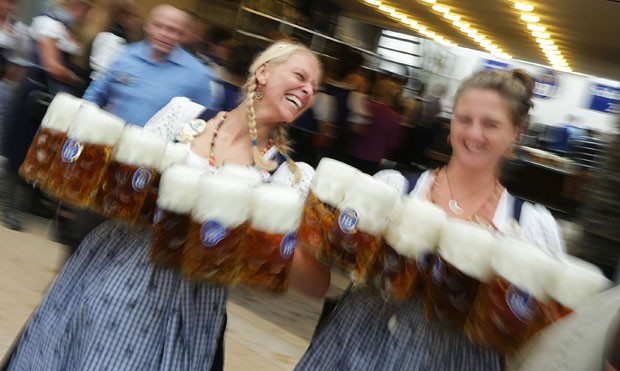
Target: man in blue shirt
column 149, row 73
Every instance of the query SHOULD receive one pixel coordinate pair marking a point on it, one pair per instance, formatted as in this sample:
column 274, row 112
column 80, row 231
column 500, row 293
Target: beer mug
column 248, row 174
column 219, row 223
column 575, row 281
column 510, row 307
column 362, row 216
column 83, row 159
column 129, row 175
column 177, row 195
column 412, row 234
column 271, row 237
column 462, row 263
column 51, row 135
column 326, row 192
column 175, row 153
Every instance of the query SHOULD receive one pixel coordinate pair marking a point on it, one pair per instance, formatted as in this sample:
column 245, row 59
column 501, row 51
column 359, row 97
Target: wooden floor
column 264, row 332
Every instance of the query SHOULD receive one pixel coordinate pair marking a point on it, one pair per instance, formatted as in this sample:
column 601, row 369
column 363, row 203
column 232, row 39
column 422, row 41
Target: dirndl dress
column 112, row 309
column 369, row 333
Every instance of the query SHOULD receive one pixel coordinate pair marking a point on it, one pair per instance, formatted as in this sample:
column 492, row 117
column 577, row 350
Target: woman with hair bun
column 367, row 332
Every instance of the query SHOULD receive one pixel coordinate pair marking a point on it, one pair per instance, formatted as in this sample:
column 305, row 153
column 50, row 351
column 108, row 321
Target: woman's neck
column 240, row 130
column 467, row 178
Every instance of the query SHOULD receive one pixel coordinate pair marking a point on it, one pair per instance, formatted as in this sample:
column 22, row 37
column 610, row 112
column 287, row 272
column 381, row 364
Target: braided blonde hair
column 274, row 55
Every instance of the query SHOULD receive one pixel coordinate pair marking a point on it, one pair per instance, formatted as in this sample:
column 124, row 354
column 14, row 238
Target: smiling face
column 164, row 29
column 481, row 130
column 289, row 87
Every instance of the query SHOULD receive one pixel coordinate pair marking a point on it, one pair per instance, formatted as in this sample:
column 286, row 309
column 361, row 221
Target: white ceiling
column 587, row 32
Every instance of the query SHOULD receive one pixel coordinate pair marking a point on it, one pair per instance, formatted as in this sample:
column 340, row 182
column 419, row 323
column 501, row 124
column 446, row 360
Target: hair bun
column 525, row 79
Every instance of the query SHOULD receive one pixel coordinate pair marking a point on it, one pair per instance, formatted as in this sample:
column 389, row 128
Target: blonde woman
column 110, row 307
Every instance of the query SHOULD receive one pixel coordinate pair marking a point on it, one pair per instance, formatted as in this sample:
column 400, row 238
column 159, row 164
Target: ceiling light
column 524, row 7
column 430, row 1
column 530, row 18
column 536, row 27
column 549, row 47
column 373, row 2
column 386, row 9
column 542, row 35
column 459, row 24
column 441, row 8
column 544, row 41
column 452, row 17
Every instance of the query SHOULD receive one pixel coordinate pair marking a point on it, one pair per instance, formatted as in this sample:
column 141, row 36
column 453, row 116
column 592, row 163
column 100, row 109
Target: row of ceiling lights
column 537, row 31
column 542, row 37
column 415, row 25
column 466, row 28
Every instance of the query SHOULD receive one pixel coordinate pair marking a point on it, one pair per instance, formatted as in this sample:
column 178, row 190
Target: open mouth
column 294, row 100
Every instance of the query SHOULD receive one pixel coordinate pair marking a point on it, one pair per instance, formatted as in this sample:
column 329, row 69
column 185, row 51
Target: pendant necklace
column 453, row 204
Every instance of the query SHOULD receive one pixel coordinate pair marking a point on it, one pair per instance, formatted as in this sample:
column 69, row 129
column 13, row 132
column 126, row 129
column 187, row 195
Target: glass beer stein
column 511, row 307
column 83, row 159
column 177, row 195
column 461, row 264
column 129, row 175
column 219, row 224
column 412, row 233
column 271, row 237
column 326, row 192
column 175, row 153
column 575, row 281
column 362, row 216
column 51, row 135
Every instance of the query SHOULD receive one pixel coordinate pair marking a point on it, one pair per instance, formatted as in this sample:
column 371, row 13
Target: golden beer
column 129, row 175
column 77, row 170
column 175, row 153
column 219, row 223
column 362, row 217
column 461, row 264
column 412, row 234
column 271, row 237
column 326, row 192
column 511, row 307
column 177, row 195
column 49, row 138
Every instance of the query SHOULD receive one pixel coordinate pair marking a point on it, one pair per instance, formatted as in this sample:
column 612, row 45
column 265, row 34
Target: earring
column 258, row 93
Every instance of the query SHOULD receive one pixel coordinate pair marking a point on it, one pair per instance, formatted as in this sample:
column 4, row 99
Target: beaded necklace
column 484, row 214
column 217, row 129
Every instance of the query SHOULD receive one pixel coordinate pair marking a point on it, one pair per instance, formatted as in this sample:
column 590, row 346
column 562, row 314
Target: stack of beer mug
column 177, row 194
column 174, row 153
column 219, row 223
column 409, row 244
column 83, row 159
column 345, row 216
column 49, row 138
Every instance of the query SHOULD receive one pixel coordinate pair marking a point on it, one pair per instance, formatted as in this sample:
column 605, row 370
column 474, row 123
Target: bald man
column 149, row 73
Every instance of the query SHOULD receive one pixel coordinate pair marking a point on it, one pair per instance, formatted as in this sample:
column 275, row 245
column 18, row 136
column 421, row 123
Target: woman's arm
column 52, row 62
column 308, row 275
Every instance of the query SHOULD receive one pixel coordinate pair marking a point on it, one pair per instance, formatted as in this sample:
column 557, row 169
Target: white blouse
column 45, row 27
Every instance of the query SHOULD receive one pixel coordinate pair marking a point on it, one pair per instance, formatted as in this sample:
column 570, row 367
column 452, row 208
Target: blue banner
column 605, row 98
column 490, row 64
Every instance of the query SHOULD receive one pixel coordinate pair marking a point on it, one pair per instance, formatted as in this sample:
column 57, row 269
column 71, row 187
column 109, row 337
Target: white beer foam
column 468, row 247
column 224, row 199
column 61, row 112
column 331, row 178
column 96, row 126
column 247, row 174
column 372, row 199
column 276, row 209
column 139, row 147
column 175, row 153
column 178, row 188
column 577, row 280
column 415, row 226
column 525, row 266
